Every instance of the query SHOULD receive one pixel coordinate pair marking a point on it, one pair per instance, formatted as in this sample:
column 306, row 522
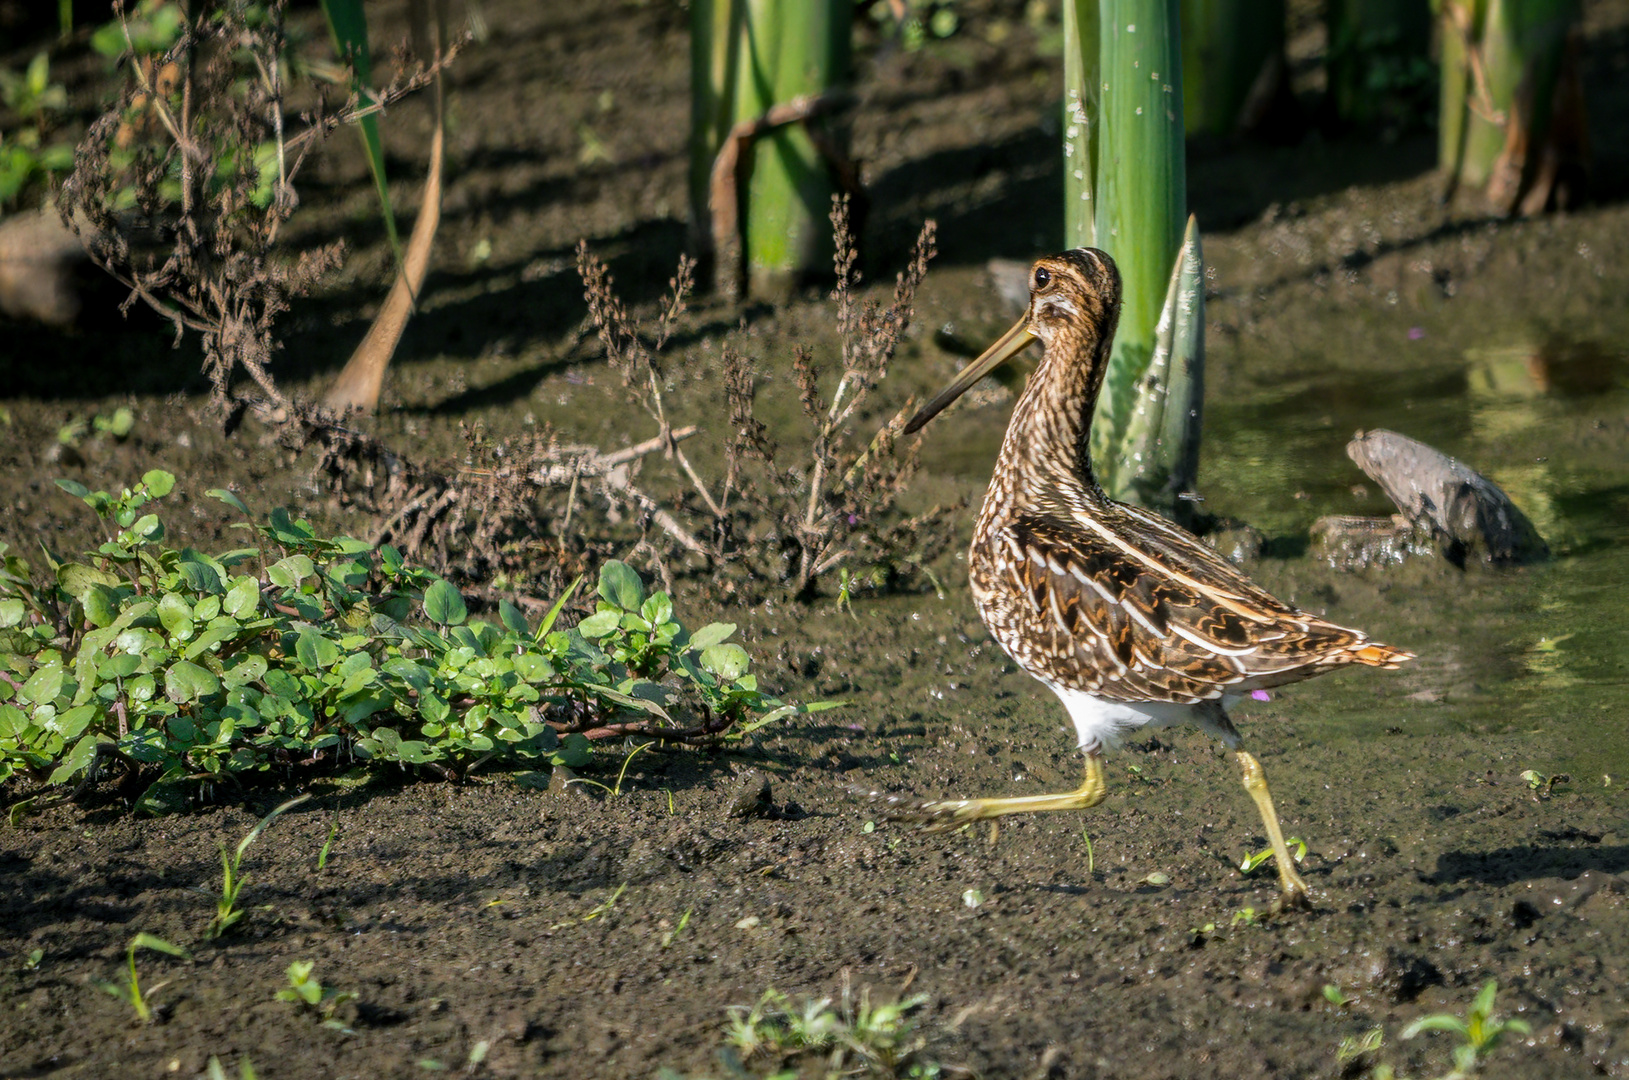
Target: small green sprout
column 858, row 1039
column 34, row 958
column 973, row 898
column 305, row 989
column 328, row 844
column 1355, row 1046
column 1335, row 996
column 130, row 991
column 227, row 912
column 1478, row 1030
column 1541, row 785
column 217, row 1071
column 672, row 935
column 1158, row 879
column 605, row 906
column 1245, row 915
column 1250, row 863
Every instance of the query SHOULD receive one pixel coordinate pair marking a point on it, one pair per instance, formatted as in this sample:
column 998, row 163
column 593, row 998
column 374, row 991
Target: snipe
column 1128, row 618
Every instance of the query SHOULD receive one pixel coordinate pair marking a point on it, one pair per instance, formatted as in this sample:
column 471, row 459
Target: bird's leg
column 1293, row 891
column 953, row 813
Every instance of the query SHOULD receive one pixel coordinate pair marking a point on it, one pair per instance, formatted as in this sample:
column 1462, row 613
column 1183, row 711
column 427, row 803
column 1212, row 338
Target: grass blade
column 348, row 24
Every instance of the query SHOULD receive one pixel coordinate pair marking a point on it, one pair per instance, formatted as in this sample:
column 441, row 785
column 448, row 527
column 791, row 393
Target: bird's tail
column 1378, row 655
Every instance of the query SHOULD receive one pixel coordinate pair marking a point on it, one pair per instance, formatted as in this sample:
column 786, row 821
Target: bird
column 1129, row 619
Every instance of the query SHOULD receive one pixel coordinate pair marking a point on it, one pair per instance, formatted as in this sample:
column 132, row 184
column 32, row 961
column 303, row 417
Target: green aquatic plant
column 1125, row 191
column 763, row 162
column 130, row 990
column 184, row 667
column 1512, row 122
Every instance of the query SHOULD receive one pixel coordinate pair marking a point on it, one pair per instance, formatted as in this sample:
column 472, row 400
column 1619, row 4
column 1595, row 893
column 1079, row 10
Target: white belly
column 1103, row 723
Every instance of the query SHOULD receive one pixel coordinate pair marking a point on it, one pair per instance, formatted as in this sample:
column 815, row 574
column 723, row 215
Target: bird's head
column 1074, row 303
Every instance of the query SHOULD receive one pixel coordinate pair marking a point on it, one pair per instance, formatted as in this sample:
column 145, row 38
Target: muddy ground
column 573, row 934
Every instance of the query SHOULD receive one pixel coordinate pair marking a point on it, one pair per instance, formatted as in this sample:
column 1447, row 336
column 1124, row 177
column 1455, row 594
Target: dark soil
column 545, row 925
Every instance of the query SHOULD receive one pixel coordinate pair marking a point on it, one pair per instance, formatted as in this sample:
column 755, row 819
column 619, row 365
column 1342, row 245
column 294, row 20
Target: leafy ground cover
column 182, row 668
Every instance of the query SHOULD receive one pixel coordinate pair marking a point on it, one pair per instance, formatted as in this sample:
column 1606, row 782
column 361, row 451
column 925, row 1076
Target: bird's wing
column 1144, row 612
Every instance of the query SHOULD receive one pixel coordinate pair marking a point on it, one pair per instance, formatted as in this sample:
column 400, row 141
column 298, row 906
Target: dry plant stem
column 871, row 334
column 363, row 376
column 1481, row 103
column 638, row 367
column 785, row 524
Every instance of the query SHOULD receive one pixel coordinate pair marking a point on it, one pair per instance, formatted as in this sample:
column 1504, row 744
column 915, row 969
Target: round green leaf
column 599, row 624
column 12, row 611
column 314, row 650
column 200, row 577
column 243, row 598
column 158, row 483
column 148, row 527
column 620, row 584
column 711, row 635
column 176, row 615
column 44, row 685
column 99, row 605
column 512, row 619
column 289, row 572
column 186, row 681
column 443, row 604
column 228, row 498
column 657, row 610
column 118, row 666
column 728, row 662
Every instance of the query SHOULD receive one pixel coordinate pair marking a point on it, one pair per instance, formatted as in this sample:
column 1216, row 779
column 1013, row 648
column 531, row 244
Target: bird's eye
column 1042, row 277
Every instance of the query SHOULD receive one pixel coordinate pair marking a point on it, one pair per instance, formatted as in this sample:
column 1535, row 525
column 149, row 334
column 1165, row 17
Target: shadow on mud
column 1508, row 865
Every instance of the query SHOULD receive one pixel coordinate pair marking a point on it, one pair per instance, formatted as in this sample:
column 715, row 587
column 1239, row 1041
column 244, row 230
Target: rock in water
column 1467, row 513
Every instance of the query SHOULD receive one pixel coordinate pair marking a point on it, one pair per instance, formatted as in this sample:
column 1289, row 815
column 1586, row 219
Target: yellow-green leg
column 1293, row 891
column 953, row 813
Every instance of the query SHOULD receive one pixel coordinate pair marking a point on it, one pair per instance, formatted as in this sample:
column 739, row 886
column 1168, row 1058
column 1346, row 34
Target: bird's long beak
column 1010, row 345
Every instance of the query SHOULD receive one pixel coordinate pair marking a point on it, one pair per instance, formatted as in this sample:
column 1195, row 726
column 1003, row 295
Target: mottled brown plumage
column 1128, row 618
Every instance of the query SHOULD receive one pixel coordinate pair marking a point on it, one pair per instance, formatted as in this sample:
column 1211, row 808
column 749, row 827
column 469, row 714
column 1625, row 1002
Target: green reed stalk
column 715, row 34
column 348, row 25
column 748, row 56
column 1232, row 62
column 1511, row 109
column 1125, row 160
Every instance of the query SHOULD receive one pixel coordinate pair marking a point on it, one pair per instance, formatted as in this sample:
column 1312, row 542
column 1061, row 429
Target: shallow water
column 1541, row 650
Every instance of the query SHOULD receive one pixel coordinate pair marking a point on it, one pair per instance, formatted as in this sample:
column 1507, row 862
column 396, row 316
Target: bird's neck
column 1047, row 445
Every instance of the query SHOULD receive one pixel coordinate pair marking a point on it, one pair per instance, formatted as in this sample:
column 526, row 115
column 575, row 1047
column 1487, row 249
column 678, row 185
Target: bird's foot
column 1294, row 897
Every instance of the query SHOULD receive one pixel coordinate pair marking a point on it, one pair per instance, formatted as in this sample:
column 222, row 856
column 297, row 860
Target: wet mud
column 571, row 933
